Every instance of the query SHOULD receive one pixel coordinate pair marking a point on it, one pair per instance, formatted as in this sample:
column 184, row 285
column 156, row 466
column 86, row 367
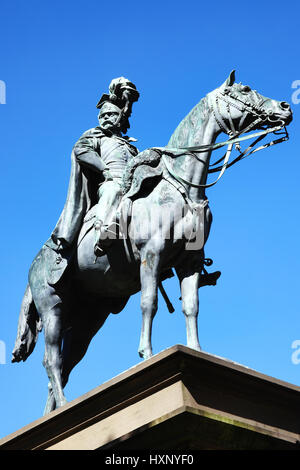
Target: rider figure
column 109, row 152
column 97, row 163
column 99, row 158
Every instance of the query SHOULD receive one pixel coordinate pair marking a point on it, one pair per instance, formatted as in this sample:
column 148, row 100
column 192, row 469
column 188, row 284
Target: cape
column 81, row 196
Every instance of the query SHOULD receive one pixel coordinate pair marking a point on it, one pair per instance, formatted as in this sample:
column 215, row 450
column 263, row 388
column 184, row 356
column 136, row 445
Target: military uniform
column 93, row 155
column 110, row 154
column 101, row 152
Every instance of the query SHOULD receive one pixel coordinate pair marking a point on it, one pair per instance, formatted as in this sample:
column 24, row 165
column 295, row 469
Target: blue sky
column 57, row 58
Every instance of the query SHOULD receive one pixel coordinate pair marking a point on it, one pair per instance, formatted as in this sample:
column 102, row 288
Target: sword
column 166, row 298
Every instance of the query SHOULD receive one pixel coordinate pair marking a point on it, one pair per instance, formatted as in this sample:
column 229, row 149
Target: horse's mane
column 188, row 132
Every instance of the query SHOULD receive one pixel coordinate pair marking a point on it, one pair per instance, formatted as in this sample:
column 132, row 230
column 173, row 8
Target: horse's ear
column 231, row 79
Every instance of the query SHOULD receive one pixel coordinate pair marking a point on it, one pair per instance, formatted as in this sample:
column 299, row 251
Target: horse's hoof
column 144, row 354
column 62, row 402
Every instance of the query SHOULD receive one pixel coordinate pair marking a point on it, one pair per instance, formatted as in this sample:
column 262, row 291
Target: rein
column 249, row 151
column 235, row 137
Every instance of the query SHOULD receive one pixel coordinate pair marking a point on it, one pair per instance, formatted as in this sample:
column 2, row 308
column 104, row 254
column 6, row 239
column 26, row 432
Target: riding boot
column 102, row 239
column 105, row 233
column 98, row 229
column 105, row 223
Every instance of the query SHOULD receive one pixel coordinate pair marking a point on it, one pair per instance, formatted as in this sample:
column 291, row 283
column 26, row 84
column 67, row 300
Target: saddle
column 144, row 170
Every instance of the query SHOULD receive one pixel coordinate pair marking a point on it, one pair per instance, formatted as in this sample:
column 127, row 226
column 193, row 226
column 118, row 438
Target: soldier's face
column 109, row 119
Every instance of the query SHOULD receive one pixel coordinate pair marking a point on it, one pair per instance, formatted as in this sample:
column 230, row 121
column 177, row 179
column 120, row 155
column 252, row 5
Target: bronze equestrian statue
column 160, row 221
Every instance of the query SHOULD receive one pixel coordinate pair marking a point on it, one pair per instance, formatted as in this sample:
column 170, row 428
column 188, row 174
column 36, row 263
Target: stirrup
column 101, row 243
column 98, row 225
column 98, row 251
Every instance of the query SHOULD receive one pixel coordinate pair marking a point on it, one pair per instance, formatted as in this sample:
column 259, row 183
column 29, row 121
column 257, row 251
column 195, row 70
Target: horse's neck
column 198, row 128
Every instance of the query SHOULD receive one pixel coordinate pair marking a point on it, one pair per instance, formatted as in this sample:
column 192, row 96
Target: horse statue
column 73, row 311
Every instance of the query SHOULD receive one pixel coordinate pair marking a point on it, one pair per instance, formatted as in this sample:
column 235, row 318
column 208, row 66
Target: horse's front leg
column 190, row 306
column 149, row 273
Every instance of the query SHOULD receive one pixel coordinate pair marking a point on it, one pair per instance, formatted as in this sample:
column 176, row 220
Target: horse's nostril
column 284, row 105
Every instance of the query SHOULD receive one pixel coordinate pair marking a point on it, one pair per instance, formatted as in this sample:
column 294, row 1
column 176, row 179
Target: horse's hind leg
column 149, row 284
column 53, row 328
column 189, row 282
column 78, row 337
column 75, row 343
column 51, row 403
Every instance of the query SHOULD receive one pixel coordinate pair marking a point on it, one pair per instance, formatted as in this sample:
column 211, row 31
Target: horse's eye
column 245, row 89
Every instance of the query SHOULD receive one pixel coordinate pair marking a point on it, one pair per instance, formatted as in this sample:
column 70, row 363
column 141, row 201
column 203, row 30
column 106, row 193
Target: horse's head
column 238, row 109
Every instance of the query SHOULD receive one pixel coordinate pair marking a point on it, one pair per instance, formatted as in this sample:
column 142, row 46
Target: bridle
column 236, row 136
column 243, row 106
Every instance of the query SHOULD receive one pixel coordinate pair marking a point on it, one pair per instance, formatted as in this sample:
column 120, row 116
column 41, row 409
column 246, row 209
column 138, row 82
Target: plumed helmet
column 122, row 93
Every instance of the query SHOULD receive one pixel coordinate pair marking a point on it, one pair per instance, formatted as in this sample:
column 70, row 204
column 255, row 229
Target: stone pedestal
column 178, row 399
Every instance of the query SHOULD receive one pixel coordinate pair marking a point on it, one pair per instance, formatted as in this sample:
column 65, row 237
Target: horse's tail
column 29, row 327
